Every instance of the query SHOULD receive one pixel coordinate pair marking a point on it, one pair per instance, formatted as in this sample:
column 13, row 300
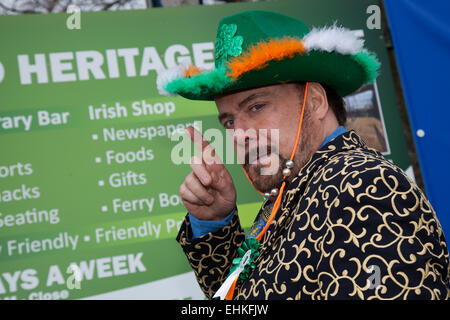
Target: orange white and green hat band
column 330, row 55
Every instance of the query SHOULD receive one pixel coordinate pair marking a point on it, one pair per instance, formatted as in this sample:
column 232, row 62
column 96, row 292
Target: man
column 339, row 221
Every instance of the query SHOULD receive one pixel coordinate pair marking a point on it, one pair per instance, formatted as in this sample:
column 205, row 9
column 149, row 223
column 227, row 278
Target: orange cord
column 300, row 123
column 276, row 206
column 277, row 203
column 246, row 174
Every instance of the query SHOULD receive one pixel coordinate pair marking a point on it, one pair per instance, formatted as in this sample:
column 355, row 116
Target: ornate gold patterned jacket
column 351, row 226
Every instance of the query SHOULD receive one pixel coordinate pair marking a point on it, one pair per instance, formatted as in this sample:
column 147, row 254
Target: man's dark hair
column 336, row 102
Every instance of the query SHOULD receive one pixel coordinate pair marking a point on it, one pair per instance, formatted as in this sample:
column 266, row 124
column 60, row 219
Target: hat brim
column 344, row 73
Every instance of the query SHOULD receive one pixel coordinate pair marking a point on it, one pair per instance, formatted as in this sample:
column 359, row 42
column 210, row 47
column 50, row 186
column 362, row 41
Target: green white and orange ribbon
column 241, row 268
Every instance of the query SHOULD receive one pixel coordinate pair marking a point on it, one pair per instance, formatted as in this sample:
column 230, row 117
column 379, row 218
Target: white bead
column 289, row 164
column 274, row 192
column 286, row 172
column 266, row 195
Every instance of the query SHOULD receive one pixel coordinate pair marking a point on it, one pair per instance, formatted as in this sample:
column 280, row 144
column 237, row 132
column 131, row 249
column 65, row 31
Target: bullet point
column 98, row 160
column 101, row 183
column 95, row 137
column 104, row 208
column 87, row 239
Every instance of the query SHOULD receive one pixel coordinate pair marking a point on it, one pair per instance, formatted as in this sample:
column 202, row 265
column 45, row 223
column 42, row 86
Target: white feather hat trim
column 164, row 76
column 333, row 38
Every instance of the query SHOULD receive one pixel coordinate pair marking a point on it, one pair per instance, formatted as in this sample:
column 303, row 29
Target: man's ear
column 317, row 99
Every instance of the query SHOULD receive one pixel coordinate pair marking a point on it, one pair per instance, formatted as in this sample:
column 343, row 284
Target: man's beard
column 269, row 174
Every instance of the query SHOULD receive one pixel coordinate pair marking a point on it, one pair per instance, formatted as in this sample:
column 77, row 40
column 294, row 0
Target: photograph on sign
column 365, row 116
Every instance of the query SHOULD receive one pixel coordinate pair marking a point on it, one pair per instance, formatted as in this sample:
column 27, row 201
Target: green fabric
column 344, row 72
column 256, row 25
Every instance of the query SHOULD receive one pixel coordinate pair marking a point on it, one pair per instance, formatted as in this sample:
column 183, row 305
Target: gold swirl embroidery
column 347, row 210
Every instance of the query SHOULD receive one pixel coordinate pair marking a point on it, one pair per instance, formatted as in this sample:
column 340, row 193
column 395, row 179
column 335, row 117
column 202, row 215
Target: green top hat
column 257, row 48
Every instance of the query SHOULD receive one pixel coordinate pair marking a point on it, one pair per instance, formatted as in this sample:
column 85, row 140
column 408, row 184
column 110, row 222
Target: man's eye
column 256, row 107
column 228, row 123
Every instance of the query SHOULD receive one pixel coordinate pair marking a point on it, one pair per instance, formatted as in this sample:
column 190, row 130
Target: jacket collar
column 344, row 142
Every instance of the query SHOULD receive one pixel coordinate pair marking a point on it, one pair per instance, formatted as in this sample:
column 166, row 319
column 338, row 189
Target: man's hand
column 208, row 191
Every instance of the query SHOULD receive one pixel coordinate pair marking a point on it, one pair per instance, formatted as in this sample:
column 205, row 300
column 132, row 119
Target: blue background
column 421, row 36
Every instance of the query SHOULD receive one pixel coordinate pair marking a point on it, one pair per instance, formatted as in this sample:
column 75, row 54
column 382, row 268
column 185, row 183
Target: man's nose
column 244, row 136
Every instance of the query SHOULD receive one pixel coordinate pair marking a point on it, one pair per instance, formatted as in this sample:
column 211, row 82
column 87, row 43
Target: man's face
column 268, row 111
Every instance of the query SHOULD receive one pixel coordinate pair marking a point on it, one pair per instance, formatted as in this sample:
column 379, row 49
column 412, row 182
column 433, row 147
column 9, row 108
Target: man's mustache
column 255, row 154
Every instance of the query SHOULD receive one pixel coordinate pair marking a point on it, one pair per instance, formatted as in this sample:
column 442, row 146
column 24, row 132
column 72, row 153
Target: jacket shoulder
column 377, row 216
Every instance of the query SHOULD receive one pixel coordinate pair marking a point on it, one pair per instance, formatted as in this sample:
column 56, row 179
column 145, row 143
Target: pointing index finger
column 196, row 137
column 207, row 152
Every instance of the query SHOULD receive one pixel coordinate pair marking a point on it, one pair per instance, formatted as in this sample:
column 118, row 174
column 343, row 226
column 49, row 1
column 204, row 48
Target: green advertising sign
column 89, row 204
